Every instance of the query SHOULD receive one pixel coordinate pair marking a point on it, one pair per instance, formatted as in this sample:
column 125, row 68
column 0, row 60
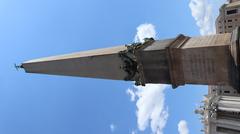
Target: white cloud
column 182, row 127
column 205, row 12
column 112, row 127
column 131, row 94
column 133, row 132
column 151, row 109
column 202, row 13
column 145, row 31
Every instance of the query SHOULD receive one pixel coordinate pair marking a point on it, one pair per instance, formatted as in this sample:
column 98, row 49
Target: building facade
column 220, row 112
column 229, row 17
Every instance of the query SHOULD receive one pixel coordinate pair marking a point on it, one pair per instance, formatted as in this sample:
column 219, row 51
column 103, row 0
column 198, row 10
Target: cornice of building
column 232, row 1
column 233, row 4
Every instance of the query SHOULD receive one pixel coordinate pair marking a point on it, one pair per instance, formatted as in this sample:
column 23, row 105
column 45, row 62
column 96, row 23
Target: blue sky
column 37, row 104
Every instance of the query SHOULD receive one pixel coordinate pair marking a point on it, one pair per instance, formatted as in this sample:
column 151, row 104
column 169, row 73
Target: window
column 227, row 92
column 229, row 26
column 227, row 130
column 231, row 11
column 236, row 19
column 229, row 20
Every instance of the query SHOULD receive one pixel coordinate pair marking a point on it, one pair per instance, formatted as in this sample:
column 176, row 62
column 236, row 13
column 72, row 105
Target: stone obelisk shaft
column 182, row 60
column 101, row 63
